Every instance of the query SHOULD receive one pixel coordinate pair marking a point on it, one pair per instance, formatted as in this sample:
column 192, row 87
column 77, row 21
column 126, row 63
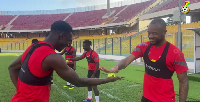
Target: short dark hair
column 159, row 21
column 87, row 42
column 34, row 40
column 61, row 26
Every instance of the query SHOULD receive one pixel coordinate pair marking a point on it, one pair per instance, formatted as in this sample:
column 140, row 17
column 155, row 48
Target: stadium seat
column 5, row 19
column 32, row 22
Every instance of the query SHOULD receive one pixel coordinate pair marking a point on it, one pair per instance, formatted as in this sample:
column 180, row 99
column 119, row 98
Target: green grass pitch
column 127, row 90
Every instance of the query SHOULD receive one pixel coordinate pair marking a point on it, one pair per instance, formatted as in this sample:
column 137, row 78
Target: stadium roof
column 197, row 30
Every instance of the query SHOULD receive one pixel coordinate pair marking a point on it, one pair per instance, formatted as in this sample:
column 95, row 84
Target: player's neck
column 50, row 41
column 161, row 43
column 89, row 50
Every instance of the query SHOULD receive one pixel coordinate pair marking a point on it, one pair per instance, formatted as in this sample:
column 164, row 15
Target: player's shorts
column 71, row 65
column 145, row 99
column 90, row 72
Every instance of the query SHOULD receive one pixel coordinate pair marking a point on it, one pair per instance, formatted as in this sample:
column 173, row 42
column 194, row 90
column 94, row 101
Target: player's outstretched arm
column 120, row 65
column 183, row 86
column 14, row 69
column 75, row 59
column 59, row 65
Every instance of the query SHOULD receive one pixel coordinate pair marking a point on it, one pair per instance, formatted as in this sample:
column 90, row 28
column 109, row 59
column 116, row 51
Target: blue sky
column 29, row 5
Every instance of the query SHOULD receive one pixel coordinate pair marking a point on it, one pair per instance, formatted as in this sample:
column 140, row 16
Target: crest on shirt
column 153, row 60
column 145, row 44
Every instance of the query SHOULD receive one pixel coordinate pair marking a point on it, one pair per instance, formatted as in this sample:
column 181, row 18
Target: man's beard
column 158, row 41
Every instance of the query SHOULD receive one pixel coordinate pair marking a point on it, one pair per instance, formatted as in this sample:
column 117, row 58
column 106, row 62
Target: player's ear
column 61, row 36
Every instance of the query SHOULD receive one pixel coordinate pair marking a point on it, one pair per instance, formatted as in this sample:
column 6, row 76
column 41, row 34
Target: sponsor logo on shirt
column 23, row 70
column 152, row 68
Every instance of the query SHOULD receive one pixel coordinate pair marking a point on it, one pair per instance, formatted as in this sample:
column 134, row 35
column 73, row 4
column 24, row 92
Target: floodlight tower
column 108, row 7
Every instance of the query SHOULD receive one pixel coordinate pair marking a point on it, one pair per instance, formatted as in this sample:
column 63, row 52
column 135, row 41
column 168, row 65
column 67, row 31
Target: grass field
column 126, row 90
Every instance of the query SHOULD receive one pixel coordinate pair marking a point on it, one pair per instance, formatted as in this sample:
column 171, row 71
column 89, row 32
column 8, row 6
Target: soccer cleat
column 88, row 99
column 66, row 86
column 71, row 87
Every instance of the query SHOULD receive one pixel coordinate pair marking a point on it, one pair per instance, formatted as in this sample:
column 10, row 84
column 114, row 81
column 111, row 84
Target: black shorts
column 90, row 72
column 145, row 99
column 71, row 66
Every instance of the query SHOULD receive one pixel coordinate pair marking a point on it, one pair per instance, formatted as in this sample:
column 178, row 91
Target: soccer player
column 70, row 52
column 93, row 66
column 31, row 72
column 161, row 59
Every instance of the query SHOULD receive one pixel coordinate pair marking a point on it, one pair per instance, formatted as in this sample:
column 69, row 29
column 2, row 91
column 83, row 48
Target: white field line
column 123, row 87
column 115, row 97
column 16, row 54
column 64, row 93
column 110, row 96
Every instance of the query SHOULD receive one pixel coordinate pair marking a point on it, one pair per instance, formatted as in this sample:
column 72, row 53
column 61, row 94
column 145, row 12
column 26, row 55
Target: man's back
column 34, row 93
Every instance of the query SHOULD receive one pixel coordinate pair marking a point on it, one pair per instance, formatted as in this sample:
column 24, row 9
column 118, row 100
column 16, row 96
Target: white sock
column 89, row 94
column 73, row 85
column 68, row 83
column 97, row 98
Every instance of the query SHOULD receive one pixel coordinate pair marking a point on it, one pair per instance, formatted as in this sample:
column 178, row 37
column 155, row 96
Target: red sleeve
column 179, row 64
column 139, row 49
column 95, row 56
column 83, row 55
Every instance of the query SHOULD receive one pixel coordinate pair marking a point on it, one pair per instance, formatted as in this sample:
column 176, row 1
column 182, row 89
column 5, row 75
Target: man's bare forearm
column 74, row 65
column 90, row 82
column 96, row 69
column 75, row 59
column 14, row 76
column 121, row 65
column 183, row 91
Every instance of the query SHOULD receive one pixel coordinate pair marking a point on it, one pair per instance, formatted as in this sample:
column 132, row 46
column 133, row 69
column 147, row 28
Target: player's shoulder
column 73, row 48
column 144, row 44
column 174, row 50
column 84, row 52
column 94, row 52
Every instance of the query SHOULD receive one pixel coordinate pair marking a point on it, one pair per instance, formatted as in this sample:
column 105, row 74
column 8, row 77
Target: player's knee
column 94, row 87
column 89, row 87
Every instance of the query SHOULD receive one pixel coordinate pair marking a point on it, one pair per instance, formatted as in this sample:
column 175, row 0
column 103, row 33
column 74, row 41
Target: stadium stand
column 90, row 18
column 188, row 40
column 77, row 19
column 132, row 10
column 32, row 22
column 5, row 19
